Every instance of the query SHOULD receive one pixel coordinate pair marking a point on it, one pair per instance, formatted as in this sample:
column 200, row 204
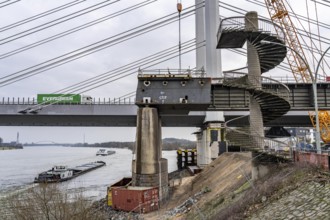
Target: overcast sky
column 105, row 60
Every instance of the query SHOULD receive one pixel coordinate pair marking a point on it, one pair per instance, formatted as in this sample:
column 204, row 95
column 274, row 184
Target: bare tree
column 47, row 201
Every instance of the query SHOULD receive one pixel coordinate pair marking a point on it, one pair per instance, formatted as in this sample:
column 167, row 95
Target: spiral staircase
column 273, row 100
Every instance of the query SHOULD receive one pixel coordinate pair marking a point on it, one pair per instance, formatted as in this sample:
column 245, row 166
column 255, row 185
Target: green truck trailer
column 64, row 99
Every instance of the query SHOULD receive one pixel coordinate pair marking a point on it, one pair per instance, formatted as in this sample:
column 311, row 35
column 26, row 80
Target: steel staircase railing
column 273, row 98
column 243, row 138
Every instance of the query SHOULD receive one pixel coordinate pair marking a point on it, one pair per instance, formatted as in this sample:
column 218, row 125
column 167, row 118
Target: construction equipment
column 280, row 16
column 324, row 121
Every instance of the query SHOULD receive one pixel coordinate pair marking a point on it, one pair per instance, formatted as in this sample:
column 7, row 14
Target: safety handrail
column 263, row 25
column 283, row 91
column 96, row 101
column 272, row 145
column 171, row 72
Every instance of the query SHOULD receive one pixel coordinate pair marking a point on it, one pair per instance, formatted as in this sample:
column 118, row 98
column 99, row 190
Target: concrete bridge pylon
column 149, row 169
column 207, row 23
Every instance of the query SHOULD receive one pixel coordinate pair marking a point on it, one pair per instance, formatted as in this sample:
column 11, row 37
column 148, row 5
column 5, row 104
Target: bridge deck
column 234, row 102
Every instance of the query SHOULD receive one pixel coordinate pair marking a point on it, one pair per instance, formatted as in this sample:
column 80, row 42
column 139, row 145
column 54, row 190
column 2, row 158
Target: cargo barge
column 63, row 173
column 104, row 152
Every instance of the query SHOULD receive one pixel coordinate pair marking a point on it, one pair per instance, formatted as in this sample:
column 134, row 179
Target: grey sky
column 105, row 60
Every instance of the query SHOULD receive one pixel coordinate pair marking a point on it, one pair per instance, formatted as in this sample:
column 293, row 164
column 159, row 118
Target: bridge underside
column 292, row 119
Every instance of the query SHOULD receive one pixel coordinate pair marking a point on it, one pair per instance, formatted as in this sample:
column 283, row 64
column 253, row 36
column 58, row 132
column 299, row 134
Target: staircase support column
column 254, row 78
column 259, row 168
column 149, row 169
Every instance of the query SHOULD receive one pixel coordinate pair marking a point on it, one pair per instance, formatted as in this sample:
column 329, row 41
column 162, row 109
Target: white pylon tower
column 200, row 34
column 179, row 8
column 208, row 58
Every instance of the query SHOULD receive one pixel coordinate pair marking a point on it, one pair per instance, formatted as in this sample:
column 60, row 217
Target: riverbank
column 224, row 190
column 10, row 148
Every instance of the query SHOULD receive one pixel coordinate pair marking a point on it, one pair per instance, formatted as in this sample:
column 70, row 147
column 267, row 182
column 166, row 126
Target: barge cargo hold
column 63, row 173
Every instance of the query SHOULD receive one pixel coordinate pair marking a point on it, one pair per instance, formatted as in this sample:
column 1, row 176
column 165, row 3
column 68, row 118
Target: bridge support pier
column 208, row 142
column 149, row 169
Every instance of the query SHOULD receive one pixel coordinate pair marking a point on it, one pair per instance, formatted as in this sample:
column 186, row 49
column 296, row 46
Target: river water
column 19, row 167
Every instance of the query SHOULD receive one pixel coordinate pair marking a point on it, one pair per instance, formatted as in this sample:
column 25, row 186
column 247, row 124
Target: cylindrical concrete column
column 254, row 77
column 251, row 24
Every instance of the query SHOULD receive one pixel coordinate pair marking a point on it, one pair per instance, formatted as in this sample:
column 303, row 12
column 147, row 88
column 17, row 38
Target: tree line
column 167, row 144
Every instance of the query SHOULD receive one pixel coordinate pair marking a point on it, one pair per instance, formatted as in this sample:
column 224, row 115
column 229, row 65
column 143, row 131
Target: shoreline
column 10, row 148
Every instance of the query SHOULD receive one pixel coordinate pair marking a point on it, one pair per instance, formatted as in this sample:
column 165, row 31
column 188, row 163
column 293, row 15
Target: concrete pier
column 149, row 169
column 208, row 143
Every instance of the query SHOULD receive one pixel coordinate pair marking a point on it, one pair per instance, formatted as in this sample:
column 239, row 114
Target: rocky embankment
column 289, row 191
column 224, row 190
column 308, row 199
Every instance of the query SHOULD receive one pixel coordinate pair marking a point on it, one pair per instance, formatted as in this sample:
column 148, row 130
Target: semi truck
column 64, row 99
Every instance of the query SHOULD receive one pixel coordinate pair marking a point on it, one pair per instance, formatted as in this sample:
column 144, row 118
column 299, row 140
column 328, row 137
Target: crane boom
column 280, row 16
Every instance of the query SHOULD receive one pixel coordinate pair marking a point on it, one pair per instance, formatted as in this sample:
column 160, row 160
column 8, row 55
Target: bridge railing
column 269, row 85
column 114, row 101
column 172, row 72
column 96, row 101
column 18, row 101
column 238, row 23
column 282, row 78
column 248, row 140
